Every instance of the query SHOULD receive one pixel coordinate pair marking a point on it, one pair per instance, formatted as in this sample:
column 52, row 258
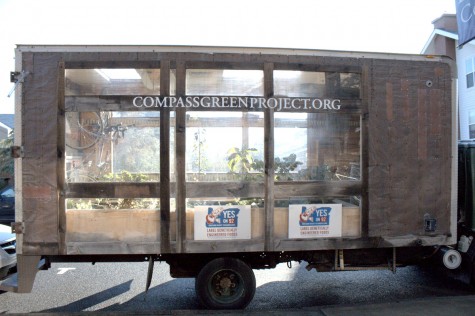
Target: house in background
column 6, row 125
column 444, row 41
column 6, row 163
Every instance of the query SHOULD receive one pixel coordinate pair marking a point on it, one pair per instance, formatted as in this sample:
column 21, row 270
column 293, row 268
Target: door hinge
column 18, row 228
column 17, row 152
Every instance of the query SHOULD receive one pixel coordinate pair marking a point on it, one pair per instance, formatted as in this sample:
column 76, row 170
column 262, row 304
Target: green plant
column 283, row 167
column 125, row 176
column 240, row 160
column 321, row 173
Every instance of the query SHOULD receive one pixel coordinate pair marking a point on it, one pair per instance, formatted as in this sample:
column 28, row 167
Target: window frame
column 470, row 73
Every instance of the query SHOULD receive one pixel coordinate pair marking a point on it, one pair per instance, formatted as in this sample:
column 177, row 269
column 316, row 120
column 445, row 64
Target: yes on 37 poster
column 217, row 222
column 315, row 220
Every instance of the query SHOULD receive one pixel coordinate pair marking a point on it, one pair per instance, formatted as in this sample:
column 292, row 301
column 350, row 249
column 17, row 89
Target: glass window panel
column 317, row 146
column 471, row 122
column 140, row 153
column 115, row 81
column 469, row 66
column 471, row 131
column 470, row 80
column 291, row 83
column 114, row 146
column 223, row 146
column 350, row 84
column 471, row 117
column 224, row 82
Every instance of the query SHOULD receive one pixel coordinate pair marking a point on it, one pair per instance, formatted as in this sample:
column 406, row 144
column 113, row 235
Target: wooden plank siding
column 165, row 161
column 269, row 160
column 180, row 164
column 61, row 172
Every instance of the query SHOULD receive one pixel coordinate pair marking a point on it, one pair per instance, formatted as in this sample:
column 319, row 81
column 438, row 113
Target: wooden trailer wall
column 407, row 135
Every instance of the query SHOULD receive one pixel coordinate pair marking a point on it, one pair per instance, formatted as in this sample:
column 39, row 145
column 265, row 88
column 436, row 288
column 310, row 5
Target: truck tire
column 225, row 283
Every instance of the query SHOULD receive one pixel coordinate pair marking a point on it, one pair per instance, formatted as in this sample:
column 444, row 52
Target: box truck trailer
column 221, row 160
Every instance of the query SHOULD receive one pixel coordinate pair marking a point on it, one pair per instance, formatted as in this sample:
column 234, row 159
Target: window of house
column 470, row 73
column 471, row 124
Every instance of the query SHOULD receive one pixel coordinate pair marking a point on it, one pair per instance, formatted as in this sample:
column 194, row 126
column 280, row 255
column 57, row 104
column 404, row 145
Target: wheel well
column 189, row 265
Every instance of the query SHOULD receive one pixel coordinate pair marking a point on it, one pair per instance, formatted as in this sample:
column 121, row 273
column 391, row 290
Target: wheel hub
column 225, row 283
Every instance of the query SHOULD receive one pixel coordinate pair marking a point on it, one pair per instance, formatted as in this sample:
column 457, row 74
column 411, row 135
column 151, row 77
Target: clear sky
column 401, row 26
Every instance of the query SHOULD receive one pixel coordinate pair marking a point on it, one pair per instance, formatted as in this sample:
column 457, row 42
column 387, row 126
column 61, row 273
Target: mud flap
column 149, row 273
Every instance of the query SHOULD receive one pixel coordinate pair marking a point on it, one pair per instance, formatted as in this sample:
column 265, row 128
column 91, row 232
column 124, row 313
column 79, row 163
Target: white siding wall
column 466, row 97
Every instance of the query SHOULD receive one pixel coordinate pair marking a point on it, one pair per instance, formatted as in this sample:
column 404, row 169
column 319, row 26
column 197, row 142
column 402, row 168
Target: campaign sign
column 216, row 222
column 315, row 220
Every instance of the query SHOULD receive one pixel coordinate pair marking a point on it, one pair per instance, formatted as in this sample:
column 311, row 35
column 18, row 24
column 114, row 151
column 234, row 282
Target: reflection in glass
column 110, row 81
column 223, row 146
column 292, row 83
column 224, row 82
column 317, row 146
column 113, row 146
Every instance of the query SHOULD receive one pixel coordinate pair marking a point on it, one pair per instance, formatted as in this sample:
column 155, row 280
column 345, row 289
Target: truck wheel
column 225, row 283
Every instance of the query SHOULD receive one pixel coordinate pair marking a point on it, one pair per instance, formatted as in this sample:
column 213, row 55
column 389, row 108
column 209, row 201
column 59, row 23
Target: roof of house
column 8, row 120
column 440, row 32
column 445, row 26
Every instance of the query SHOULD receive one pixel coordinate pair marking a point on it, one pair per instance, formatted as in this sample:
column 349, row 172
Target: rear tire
column 225, row 283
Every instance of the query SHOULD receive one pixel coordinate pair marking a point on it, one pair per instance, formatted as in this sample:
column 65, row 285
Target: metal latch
column 17, row 152
column 430, row 223
column 17, row 78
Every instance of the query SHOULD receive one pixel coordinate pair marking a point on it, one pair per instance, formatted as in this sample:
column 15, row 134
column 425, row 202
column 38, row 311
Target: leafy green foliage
column 125, row 176
column 240, row 160
column 283, row 167
column 122, row 203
